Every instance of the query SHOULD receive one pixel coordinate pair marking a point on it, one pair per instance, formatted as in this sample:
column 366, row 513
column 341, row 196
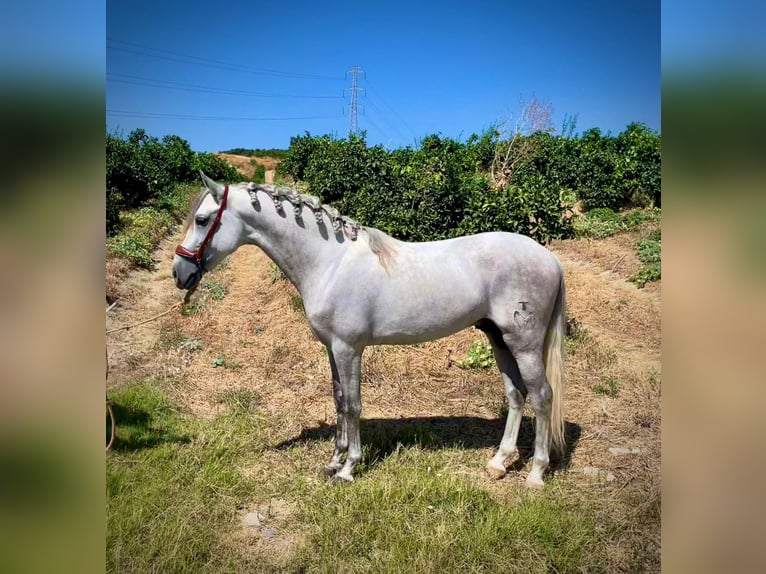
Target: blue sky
column 252, row 74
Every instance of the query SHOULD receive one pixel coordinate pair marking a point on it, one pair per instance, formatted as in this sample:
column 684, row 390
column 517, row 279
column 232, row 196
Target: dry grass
column 414, row 396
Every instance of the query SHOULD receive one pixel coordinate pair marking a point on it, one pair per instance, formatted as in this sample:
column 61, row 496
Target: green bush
column 113, row 203
column 617, row 172
column 214, row 167
column 534, row 208
column 441, row 188
column 259, row 174
column 272, row 153
column 142, row 170
column 433, row 192
column 143, row 230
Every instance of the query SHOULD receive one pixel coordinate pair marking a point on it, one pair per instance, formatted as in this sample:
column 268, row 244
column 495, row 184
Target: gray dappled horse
column 362, row 287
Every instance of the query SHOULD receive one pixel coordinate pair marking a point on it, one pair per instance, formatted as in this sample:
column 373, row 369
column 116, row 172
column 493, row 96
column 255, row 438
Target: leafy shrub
column 142, row 170
column 113, row 202
column 433, row 192
column 214, row 167
column 616, row 172
column 273, row 153
column 534, row 208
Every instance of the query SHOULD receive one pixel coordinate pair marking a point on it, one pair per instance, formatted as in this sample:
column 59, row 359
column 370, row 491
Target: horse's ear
column 216, row 189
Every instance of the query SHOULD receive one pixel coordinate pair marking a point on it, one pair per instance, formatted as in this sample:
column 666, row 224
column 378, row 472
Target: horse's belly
column 423, row 315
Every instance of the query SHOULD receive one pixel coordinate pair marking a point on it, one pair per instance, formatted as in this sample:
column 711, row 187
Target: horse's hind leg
column 532, row 369
column 516, row 393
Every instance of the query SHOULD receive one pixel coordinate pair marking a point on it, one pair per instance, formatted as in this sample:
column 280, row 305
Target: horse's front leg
column 348, row 401
column 341, row 433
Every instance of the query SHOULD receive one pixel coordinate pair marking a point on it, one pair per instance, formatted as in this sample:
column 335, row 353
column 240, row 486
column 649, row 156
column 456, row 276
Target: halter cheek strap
column 198, row 253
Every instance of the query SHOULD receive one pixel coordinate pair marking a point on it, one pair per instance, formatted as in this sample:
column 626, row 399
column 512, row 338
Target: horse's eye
column 201, row 220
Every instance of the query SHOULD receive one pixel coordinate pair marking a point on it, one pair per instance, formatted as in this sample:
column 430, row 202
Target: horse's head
column 212, row 231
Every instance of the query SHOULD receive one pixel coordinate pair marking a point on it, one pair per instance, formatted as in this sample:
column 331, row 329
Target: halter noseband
column 197, row 254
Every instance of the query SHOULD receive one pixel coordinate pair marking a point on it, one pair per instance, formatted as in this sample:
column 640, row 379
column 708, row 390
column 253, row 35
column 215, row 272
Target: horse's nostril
column 175, row 275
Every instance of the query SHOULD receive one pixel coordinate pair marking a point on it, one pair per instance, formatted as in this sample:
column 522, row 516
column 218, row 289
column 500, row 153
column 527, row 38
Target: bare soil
column 246, row 165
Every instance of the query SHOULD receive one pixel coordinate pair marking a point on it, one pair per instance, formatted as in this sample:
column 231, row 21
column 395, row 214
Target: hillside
column 246, row 165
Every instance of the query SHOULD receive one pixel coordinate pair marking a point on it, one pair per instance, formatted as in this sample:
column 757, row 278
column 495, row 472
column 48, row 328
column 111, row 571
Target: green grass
column 603, row 222
column 610, row 387
column 240, row 400
column 577, row 336
column 414, row 515
column 176, row 487
column 173, row 486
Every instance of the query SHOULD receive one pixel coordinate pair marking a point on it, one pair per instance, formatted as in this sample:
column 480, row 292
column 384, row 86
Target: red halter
column 198, row 253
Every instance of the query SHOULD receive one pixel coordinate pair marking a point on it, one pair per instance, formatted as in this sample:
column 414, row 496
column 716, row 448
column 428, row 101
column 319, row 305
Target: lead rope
column 109, row 408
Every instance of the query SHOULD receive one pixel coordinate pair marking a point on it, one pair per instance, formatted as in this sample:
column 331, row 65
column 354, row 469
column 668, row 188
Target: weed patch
column 610, row 387
column 296, row 303
column 480, row 356
column 216, row 289
column 226, row 363
column 604, row 222
column 276, row 274
column 649, row 251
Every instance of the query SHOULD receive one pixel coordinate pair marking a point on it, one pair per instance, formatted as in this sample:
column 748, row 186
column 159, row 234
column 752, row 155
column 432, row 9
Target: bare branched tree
column 515, row 147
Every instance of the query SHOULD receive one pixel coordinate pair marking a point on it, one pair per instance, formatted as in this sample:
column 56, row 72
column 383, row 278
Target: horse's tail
column 554, row 365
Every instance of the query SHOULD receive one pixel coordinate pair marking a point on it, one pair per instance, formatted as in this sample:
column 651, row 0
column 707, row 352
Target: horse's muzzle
column 186, row 273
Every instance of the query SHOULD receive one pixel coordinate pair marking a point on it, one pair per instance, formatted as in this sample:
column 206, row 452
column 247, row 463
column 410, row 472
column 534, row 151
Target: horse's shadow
column 382, row 437
column 137, row 429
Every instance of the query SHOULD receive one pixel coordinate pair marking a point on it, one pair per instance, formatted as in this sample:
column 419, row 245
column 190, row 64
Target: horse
column 362, row 287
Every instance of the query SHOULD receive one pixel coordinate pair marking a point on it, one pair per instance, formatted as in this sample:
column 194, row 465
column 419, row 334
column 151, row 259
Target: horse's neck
column 300, row 251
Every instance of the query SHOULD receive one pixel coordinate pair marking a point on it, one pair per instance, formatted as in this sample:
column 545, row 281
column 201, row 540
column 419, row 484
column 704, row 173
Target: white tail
column 554, row 366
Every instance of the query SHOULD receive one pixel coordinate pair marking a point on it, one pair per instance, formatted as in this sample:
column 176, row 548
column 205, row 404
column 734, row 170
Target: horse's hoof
column 535, row 483
column 331, row 469
column 495, row 473
column 341, row 476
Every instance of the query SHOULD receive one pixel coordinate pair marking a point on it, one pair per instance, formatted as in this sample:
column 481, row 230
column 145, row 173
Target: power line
column 151, row 52
column 382, row 116
column 352, row 119
column 159, row 115
column 390, row 109
column 155, row 83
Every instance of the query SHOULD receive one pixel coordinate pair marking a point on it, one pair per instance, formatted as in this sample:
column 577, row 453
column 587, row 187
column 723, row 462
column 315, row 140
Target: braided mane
column 382, row 245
